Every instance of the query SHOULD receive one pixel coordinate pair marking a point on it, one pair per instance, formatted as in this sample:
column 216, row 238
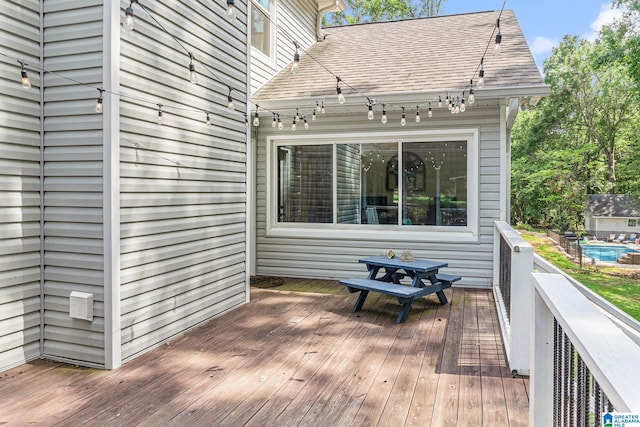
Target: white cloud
column 542, row 45
column 606, row 16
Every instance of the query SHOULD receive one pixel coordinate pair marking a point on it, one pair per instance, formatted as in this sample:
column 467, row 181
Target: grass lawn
column 619, row 286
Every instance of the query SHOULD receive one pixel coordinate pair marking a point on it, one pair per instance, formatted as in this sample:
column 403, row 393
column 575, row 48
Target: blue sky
column 545, row 22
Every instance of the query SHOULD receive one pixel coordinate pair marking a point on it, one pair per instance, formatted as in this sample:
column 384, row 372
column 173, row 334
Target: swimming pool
column 608, row 253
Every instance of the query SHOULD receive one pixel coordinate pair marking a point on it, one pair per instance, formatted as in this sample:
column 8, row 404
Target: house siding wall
column 338, row 258
column 19, row 186
column 182, row 184
column 295, row 21
column 73, row 186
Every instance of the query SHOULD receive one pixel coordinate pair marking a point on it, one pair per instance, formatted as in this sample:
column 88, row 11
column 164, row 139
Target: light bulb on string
column 128, row 23
column 256, row 117
column 403, row 120
column 472, row 96
column 159, row 113
column 293, row 125
column 274, row 123
column 230, row 105
column 246, row 120
column 322, row 109
column 463, row 107
column 481, row 74
column 193, row 76
column 99, row 101
column 498, row 48
column 25, row 82
column 370, row 112
column 280, row 124
column 341, row 99
column 430, row 113
column 314, row 116
column 418, row 114
column 208, row 118
column 231, row 10
column 384, row 114
column 306, row 123
column 295, row 67
column 439, row 102
column 457, row 106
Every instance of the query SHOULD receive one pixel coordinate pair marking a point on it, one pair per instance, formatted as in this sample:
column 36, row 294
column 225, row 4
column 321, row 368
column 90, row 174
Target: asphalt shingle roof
column 613, row 205
column 417, row 55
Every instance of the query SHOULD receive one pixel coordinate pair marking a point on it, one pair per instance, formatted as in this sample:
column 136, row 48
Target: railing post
column 514, row 299
column 542, row 369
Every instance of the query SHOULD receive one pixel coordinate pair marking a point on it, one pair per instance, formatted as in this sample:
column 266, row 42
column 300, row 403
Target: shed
column 607, row 214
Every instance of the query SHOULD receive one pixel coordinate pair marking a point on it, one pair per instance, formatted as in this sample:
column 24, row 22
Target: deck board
column 295, row 358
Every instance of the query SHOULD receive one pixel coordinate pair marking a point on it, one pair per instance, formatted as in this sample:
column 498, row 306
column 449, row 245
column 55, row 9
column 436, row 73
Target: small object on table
column 390, row 253
column 407, row 256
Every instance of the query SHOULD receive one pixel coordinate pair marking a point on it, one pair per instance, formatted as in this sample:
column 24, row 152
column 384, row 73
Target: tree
column 361, row 11
column 600, row 101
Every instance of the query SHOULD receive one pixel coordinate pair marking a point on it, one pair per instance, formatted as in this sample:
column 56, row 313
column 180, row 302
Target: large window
column 400, row 184
column 261, row 17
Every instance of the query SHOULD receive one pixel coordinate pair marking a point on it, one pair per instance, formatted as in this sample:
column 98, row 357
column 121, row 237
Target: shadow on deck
column 295, row 358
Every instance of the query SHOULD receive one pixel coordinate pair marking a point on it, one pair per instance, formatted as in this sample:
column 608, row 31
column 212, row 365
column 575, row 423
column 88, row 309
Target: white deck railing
column 513, row 263
column 582, row 363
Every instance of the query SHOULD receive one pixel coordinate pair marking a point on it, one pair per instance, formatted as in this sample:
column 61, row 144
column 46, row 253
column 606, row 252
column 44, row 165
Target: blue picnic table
column 385, row 275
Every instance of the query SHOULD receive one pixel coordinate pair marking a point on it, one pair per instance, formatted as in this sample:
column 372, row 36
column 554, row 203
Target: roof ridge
column 417, row 18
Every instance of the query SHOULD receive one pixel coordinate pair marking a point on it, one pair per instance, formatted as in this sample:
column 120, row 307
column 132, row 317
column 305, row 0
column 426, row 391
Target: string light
column 295, row 67
column 280, row 124
column 208, row 118
column 256, row 117
column 230, row 105
column 274, row 123
column 418, row 114
column 314, row 116
column 481, row 74
column 370, row 104
column 26, row 83
column 498, row 49
column 341, row 99
column 439, row 102
column 231, row 10
column 159, row 114
column 472, row 96
column 463, row 107
column 193, row 76
column 306, row 123
column 293, row 125
column 322, row 109
column 99, row 101
column 430, row 113
column 246, row 120
column 128, row 23
column 384, row 114
column 403, row 120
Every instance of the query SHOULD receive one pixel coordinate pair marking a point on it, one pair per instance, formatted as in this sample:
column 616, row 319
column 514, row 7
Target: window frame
column 468, row 233
column 271, row 14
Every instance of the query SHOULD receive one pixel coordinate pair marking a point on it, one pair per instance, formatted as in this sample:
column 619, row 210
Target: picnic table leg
column 442, row 297
column 360, row 301
column 404, row 313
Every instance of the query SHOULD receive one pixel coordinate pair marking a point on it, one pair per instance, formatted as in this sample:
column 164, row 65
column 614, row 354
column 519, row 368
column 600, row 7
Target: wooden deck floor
column 291, row 358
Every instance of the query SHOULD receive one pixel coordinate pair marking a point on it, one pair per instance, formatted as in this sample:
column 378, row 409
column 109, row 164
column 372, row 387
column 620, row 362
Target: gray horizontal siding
column 73, row 227
column 182, row 184
column 338, row 258
column 19, row 186
column 296, row 20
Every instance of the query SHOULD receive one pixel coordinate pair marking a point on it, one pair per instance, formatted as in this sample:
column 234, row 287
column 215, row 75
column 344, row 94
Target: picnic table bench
column 389, row 283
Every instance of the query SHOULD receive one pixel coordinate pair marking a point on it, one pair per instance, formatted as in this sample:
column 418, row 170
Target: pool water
column 606, row 253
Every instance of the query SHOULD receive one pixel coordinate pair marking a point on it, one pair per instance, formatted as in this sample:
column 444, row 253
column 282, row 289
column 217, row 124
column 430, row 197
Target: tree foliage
column 362, row 11
column 583, row 138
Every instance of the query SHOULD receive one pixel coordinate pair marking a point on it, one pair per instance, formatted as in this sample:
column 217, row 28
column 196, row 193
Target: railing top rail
column 631, row 325
column 515, row 241
column 612, row 357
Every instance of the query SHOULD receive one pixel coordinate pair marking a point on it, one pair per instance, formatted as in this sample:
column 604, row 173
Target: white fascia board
column 412, row 97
